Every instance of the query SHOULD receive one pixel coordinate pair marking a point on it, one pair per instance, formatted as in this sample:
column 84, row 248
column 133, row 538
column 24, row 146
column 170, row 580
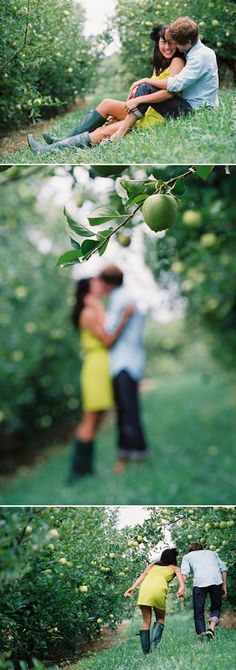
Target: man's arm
column 191, row 72
column 224, row 573
column 185, row 568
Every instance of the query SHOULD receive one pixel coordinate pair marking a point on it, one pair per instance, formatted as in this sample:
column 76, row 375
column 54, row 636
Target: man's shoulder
column 200, row 50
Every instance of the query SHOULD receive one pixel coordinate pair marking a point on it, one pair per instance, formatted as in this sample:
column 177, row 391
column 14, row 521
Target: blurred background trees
column 185, row 278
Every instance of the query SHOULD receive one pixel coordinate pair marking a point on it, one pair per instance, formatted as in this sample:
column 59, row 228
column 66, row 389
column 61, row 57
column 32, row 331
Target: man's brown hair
column 112, row 276
column 182, row 30
column 195, row 546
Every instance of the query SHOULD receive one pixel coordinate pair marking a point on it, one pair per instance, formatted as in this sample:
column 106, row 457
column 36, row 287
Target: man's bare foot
column 120, row 466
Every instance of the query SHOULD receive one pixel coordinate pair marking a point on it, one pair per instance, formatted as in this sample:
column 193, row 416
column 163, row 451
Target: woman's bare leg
column 105, row 131
column 160, row 615
column 110, row 107
column 87, row 428
column 147, row 616
column 124, row 126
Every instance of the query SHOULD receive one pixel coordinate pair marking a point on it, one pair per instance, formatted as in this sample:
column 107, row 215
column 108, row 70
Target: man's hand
column 224, row 591
column 181, row 592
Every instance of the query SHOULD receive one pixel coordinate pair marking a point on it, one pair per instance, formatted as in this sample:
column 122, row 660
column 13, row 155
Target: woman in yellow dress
column 96, row 383
column 154, row 583
column 112, row 118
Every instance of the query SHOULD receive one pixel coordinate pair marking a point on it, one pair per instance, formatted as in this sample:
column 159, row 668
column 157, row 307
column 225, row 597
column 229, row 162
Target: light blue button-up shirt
column 205, row 565
column 198, row 80
column 128, row 351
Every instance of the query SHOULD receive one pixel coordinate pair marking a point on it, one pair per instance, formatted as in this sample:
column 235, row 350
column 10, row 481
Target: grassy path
column 204, row 137
column 190, row 421
column 179, row 650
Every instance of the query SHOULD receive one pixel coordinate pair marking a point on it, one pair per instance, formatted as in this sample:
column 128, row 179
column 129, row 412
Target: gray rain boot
column 157, row 631
column 77, row 141
column 145, row 640
column 91, row 121
column 82, row 460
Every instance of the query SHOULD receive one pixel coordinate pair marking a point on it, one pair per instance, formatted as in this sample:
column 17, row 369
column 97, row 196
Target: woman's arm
column 176, row 66
column 93, row 320
column 138, row 581
column 181, row 590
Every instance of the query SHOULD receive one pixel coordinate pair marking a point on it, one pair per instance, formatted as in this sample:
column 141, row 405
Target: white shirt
column 205, row 565
column 198, row 80
column 128, row 351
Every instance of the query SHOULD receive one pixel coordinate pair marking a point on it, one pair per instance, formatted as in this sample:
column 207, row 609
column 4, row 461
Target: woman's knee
column 143, row 89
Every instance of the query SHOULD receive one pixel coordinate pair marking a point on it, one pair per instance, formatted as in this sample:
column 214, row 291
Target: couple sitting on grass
column 209, row 577
column 185, row 79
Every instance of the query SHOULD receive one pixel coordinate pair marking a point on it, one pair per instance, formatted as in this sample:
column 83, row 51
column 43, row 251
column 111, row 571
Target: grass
column 190, row 421
column 179, row 650
column 204, row 137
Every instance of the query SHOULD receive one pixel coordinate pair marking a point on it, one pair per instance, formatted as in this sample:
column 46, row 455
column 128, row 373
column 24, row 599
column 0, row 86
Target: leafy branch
column 134, row 193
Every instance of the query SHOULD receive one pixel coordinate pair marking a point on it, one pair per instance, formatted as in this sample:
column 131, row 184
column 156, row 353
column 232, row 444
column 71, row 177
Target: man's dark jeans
column 173, row 107
column 131, row 440
column 199, row 599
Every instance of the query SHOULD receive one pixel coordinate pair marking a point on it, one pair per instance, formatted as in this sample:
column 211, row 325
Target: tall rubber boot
column 78, row 141
column 145, row 640
column 91, row 121
column 82, row 460
column 157, row 631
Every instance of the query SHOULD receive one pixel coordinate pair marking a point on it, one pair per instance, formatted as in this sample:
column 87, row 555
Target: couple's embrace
column 112, row 366
column 209, row 578
column 185, row 79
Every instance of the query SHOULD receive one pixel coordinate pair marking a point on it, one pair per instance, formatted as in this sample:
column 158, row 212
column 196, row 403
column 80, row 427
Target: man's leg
column 131, row 441
column 173, row 107
column 215, row 591
column 199, row 599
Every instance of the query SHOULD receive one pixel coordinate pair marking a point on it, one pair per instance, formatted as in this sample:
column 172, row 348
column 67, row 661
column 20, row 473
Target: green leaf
column 135, row 187
column 203, row 171
column 69, row 257
column 179, row 187
column 78, row 228
column 88, row 246
column 102, row 215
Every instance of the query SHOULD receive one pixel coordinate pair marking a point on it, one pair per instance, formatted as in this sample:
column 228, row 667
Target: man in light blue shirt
column 209, row 577
column 198, row 81
column 127, row 358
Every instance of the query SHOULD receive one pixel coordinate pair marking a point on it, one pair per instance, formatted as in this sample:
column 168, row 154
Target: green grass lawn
column 190, row 421
column 179, row 650
column 204, row 137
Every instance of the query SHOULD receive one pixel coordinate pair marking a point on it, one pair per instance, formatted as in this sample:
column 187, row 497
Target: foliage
column 63, row 575
column 39, row 348
column 44, row 64
column 199, row 252
column 214, row 527
column 135, row 19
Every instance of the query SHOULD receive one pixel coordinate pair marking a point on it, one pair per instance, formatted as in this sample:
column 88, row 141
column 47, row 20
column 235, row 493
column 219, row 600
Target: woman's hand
column 137, row 83
column 131, row 104
column 181, row 592
column 129, row 592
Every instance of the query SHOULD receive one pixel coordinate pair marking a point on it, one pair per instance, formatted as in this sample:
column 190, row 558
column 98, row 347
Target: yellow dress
column 95, row 379
column 152, row 116
column 153, row 590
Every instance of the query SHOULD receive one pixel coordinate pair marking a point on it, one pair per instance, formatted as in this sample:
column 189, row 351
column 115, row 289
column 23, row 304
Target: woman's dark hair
column 160, row 63
column 82, row 289
column 168, row 557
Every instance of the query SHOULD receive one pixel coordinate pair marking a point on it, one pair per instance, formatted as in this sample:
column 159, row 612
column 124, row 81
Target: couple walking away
column 112, row 367
column 209, row 577
column 185, row 79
